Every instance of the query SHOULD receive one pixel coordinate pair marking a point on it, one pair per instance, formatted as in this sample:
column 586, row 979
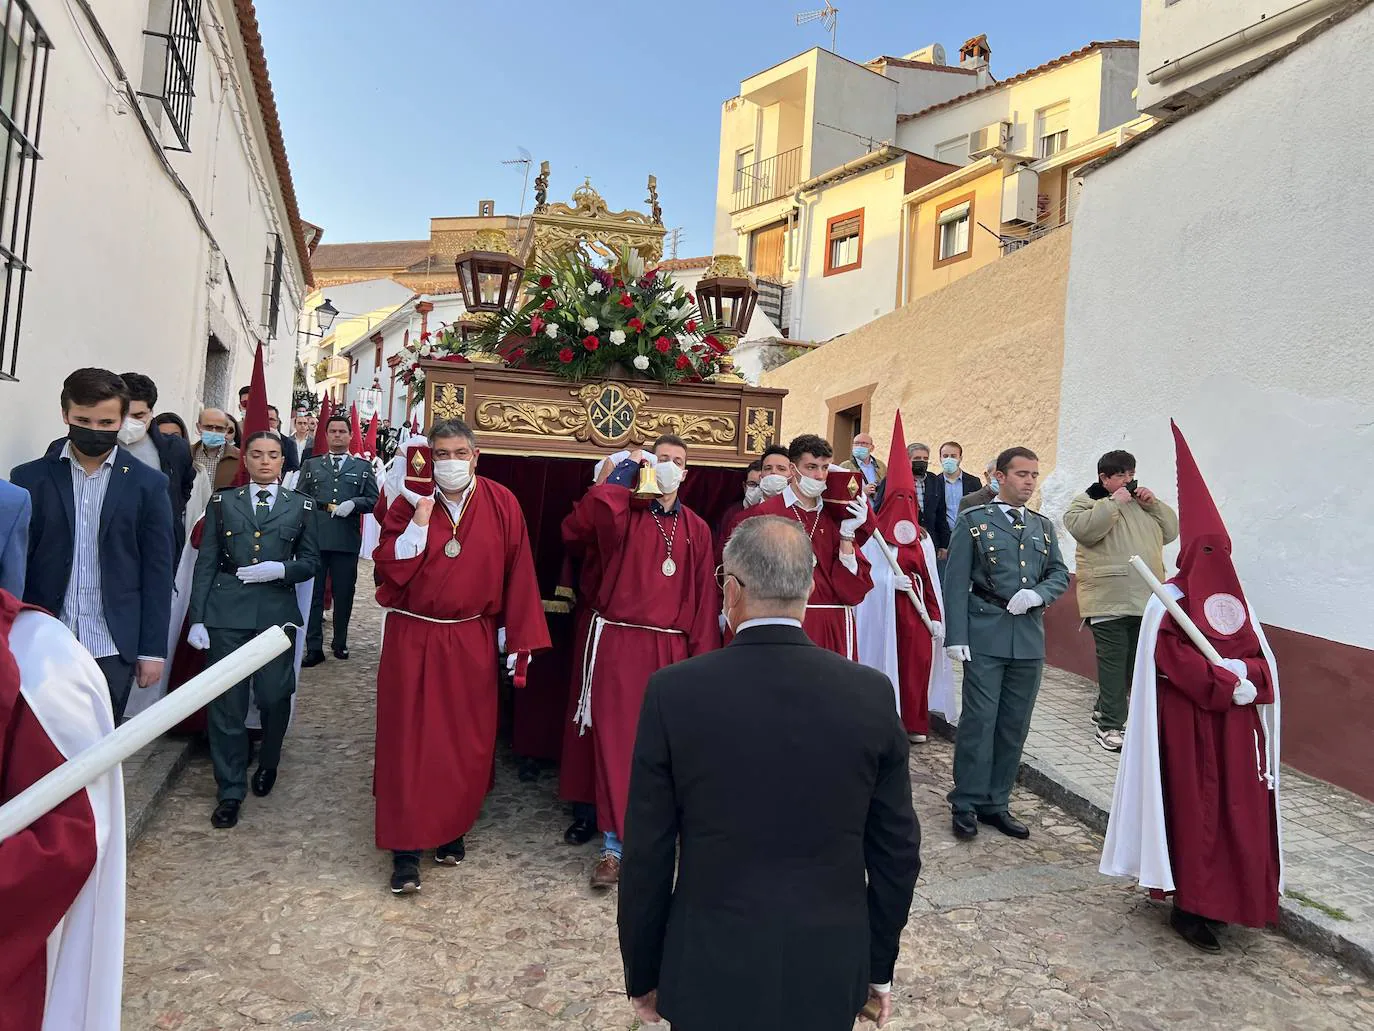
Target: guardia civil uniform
column 332, row 480
column 996, row 550
column 246, row 526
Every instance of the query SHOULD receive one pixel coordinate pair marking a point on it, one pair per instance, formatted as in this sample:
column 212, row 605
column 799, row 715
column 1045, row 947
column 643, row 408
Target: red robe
column 437, row 682
column 577, row 763
column 828, row 625
column 632, row 589
column 1219, row 811
column 915, row 648
column 732, row 518
column 42, row 868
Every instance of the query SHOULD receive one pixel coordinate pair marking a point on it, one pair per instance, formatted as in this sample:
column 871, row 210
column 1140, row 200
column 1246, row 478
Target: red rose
column 550, row 304
column 683, row 361
column 714, row 344
column 591, row 343
column 545, row 282
column 636, row 324
column 692, row 298
column 691, row 326
column 536, row 324
column 663, row 344
column 424, row 336
column 626, row 302
column 565, row 355
column 517, row 354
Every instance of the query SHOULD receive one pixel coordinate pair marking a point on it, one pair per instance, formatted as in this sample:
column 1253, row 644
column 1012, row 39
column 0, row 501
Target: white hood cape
column 67, row 694
column 1137, row 844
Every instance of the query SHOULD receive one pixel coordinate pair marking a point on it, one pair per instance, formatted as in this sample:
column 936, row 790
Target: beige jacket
column 1108, row 534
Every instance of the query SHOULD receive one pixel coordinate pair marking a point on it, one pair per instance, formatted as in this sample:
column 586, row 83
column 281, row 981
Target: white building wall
column 1228, row 287
column 123, row 277
column 400, row 329
column 919, row 88
column 862, row 103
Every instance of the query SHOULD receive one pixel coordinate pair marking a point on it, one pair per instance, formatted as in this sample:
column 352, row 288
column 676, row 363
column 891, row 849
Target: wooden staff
column 1180, row 617
column 886, row 549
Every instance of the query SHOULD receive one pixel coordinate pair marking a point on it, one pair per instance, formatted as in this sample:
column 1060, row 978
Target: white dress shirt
column 83, row 607
column 413, row 540
column 792, row 500
column 768, row 621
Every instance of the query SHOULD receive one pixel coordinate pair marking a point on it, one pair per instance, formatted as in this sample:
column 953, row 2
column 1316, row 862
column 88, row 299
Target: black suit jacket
column 932, row 513
column 135, row 546
column 782, row 768
column 291, row 459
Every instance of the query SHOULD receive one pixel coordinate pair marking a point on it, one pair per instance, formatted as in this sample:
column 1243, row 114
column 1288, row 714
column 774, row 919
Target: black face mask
column 919, row 468
column 92, row 443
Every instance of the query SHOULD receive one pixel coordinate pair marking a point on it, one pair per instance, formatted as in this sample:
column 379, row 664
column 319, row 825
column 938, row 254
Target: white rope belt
column 583, row 716
column 850, row 639
column 386, row 614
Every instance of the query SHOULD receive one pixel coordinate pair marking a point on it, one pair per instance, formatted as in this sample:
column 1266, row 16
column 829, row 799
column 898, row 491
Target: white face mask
column 132, row 431
column 452, row 474
column 669, row 476
column 772, row 485
column 810, row 488
column 753, row 494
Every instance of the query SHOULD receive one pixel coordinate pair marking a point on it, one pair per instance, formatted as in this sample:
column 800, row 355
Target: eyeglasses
column 721, row 576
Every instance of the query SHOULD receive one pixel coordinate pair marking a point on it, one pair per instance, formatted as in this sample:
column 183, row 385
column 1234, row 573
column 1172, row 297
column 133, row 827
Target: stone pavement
column 148, row 774
column 285, row 922
column 1328, row 833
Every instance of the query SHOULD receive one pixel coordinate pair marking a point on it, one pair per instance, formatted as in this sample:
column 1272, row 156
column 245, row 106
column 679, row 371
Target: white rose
column 551, row 331
column 617, row 337
column 590, row 324
column 641, row 362
column 594, row 288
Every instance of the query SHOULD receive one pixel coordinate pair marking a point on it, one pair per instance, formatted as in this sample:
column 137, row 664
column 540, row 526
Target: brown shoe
column 606, row 873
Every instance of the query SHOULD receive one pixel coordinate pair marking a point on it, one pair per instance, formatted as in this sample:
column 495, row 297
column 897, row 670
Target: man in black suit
column 792, row 799
column 100, row 542
column 953, row 483
column 160, row 450
column 291, row 460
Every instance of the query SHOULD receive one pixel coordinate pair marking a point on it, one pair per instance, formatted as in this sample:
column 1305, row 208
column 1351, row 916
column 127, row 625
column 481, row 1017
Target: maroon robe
column 632, row 589
column 577, row 763
column 42, row 868
column 826, row 623
column 1219, row 811
column 437, row 682
column 915, row 647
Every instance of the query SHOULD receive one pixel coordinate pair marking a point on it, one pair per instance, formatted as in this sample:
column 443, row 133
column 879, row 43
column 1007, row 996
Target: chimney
column 486, row 208
column 975, row 54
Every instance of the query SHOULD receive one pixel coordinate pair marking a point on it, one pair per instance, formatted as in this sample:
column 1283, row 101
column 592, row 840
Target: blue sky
column 397, row 111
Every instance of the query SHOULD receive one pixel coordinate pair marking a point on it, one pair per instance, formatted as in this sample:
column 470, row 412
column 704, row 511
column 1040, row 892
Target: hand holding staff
column 1180, row 617
column 886, row 549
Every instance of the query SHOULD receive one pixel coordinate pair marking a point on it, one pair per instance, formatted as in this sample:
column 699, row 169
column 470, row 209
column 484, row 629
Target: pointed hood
column 255, row 416
column 321, row 445
column 898, row 519
column 355, row 442
column 1212, row 594
column 370, row 441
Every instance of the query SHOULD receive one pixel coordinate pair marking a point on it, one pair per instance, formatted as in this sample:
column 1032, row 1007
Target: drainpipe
column 804, row 209
column 1299, row 12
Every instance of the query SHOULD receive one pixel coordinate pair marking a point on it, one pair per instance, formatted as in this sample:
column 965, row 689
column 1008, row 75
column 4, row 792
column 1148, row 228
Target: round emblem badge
column 905, row 532
column 1225, row 613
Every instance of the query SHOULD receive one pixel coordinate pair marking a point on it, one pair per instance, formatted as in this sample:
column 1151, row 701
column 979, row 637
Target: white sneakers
column 1111, row 740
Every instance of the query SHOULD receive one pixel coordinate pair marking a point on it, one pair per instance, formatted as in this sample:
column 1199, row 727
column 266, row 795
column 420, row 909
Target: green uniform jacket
column 985, row 550
column 354, row 482
column 231, row 539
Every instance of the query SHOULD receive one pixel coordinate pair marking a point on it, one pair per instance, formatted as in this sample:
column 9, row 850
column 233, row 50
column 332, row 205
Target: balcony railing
column 767, row 180
column 337, row 367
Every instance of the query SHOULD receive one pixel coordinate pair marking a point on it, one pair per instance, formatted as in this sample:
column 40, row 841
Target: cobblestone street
column 286, row 922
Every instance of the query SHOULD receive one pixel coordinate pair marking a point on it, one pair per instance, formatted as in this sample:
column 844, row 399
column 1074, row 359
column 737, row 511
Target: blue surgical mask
column 949, row 465
column 212, row 438
column 861, row 454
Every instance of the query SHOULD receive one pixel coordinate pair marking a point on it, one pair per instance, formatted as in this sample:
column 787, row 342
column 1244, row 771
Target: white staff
column 1180, row 617
column 886, row 549
column 75, row 774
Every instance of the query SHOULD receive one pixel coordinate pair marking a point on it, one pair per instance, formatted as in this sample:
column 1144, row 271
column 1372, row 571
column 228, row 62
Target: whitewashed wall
column 1221, row 274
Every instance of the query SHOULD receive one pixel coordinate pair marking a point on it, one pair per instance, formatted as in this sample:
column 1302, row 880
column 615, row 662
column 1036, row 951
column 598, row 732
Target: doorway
column 766, row 248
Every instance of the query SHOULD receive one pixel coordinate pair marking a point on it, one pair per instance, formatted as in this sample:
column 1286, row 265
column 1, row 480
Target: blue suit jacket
column 14, row 537
column 135, row 547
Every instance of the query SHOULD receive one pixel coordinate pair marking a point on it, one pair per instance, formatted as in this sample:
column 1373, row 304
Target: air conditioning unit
column 990, row 139
column 1021, row 196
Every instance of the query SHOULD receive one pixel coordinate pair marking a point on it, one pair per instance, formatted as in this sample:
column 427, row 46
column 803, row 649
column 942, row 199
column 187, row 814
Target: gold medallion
column 669, row 566
column 452, row 548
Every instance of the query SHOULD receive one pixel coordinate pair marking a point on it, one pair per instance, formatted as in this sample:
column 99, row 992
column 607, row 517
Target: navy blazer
column 135, row 547
column 14, row 537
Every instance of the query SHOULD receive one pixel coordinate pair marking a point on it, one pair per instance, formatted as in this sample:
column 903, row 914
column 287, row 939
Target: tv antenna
column 526, row 160
column 828, row 16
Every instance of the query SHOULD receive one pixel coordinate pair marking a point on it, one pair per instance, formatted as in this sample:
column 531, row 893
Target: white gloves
column 858, row 515
column 514, row 657
column 263, row 572
column 1236, row 666
column 1023, row 601
column 958, row 653
column 198, row 637
column 901, row 584
column 937, row 631
column 501, row 639
column 510, row 662
column 344, row 509
column 1244, row 693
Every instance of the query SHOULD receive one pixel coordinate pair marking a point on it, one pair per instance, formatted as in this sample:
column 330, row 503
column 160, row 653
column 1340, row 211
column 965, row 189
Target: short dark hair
column 670, row 438
column 262, row 435
column 88, row 387
column 809, row 444
column 234, row 425
column 774, row 449
column 166, row 418
column 245, row 390
column 756, row 466
column 452, row 428
column 954, row 444
column 1005, row 458
column 141, row 388
column 273, row 410
column 1114, row 463
column 338, row 418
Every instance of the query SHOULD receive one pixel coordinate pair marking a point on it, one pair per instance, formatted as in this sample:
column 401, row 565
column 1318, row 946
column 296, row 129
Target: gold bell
column 647, row 487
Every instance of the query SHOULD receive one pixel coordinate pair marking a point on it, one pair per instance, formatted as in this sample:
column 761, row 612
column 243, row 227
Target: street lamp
column 489, row 275
column 325, row 315
column 726, row 296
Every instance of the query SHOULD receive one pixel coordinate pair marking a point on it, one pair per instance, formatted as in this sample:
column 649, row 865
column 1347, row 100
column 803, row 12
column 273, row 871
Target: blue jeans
column 612, row 845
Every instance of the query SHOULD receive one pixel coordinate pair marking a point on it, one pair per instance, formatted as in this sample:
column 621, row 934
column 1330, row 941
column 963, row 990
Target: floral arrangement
column 580, row 321
column 442, row 346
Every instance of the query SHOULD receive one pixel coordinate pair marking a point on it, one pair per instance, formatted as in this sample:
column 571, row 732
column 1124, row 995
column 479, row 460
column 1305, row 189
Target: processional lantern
column 489, row 275
column 726, row 296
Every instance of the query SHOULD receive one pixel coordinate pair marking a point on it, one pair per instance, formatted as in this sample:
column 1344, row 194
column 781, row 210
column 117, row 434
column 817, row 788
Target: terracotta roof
column 903, row 62
column 682, row 264
column 378, row 254
column 1129, row 44
column 267, row 105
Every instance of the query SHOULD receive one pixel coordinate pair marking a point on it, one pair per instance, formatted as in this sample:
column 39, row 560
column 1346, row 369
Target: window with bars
column 844, row 242
column 169, row 66
column 24, row 56
column 271, row 284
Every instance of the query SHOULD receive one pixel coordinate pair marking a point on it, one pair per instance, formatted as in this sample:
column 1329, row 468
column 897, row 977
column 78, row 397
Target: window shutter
column 846, row 227
column 277, row 257
column 1054, row 119
column 954, row 214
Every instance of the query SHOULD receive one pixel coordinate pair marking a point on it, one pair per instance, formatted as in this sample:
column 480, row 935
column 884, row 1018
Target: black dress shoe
column 226, row 814
column 341, row 651
column 1194, row 930
column 1006, row 823
column 312, row 659
column 580, row 832
column 965, row 827
column 451, row 854
column 405, row 875
column 263, row 781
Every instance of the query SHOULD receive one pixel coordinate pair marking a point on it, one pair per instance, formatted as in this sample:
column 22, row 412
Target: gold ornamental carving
column 448, row 401
column 693, row 427
column 589, row 225
column 760, row 428
column 528, row 416
column 612, row 410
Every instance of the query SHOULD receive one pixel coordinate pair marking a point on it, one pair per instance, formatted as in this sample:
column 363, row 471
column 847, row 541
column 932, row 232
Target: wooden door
column 766, row 251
